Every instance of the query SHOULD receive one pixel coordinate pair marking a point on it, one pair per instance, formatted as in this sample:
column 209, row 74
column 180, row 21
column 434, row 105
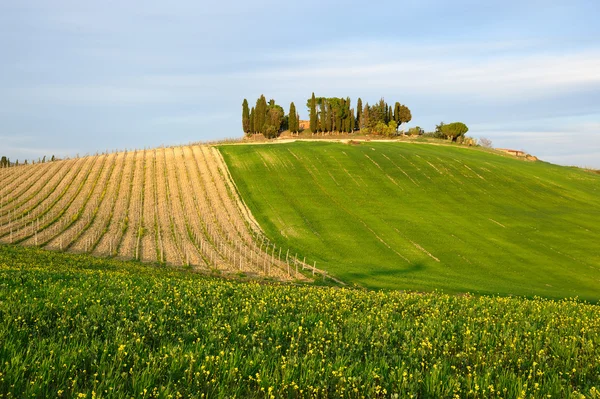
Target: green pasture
column 427, row 217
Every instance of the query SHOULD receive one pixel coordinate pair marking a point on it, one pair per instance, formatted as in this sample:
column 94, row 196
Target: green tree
column 293, row 120
column 251, row 127
column 452, row 131
column 313, row 114
column 3, row 162
column 260, row 114
column 365, row 118
column 245, row 117
column 323, row 117
column 274, row 120
column 405, row 114
column 359, row 110
column 415, row 131
column 388, row 130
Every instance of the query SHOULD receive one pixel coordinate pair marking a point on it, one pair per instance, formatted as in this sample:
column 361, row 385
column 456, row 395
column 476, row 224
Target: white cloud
column 495, row 77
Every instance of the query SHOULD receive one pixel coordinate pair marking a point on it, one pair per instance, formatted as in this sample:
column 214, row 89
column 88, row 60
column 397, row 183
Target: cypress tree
column 364, row 117
column 325, row 116
column 313, row 114
column 251, row 123
column 260, row 114
column 397, row 114
column 323, row 119
column 293, row 122
column 245, row 117
column 347, row 124
column 359, row 110
column 352, row 121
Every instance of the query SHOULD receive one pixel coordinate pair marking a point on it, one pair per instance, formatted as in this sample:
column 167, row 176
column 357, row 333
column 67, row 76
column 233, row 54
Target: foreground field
column 75, row 326
column 424, row 217
column 167, row 205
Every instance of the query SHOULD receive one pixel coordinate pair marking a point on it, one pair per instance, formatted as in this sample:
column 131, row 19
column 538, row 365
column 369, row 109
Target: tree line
column 266, row 118
column 326, row 115
column 336, row 115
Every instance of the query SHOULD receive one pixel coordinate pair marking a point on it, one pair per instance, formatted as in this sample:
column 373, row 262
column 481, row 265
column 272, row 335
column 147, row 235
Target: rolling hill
column 426, row 217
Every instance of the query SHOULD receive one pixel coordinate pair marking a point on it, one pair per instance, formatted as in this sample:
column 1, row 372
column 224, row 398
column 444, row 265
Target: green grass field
column 426, row 217
column 75, row 326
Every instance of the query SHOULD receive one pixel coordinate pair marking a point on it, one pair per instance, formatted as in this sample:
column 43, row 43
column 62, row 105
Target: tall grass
column 75, row 326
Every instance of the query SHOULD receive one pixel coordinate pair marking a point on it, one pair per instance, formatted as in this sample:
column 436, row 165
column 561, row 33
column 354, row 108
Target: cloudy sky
column 86, row 76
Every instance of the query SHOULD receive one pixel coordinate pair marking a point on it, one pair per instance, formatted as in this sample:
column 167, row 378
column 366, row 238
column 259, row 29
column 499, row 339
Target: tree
column 274, row 119
column 405, row 114
column 313, row 114
column 438, row 134
column 359, row 109
column 245, row 117
column 386, row 130
column 293, row 121
column 415, row 131
column 454, row 130
column 4, row 162
column 251, row 127
column 365, row 118
column 485, row 142
column 401, row 114
column 323, row 117
column 260, row 114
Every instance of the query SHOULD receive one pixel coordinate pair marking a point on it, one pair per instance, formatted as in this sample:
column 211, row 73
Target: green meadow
column 75, row 326
column 427, row 217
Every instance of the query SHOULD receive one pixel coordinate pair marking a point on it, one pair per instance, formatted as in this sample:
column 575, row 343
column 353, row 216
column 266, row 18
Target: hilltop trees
column 451, row 131
column 264, row 118
column 327, row 115
column 401, row 114
column 358, row 113
column 4, row 162
column 313, row 114
column 245, row 117
column 293, row 119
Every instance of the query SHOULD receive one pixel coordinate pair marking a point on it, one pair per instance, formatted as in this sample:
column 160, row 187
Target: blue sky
column 79, row 77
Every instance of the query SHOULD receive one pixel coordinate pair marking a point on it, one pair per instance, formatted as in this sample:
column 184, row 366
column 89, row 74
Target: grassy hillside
column 425, row 217
column 74, row 326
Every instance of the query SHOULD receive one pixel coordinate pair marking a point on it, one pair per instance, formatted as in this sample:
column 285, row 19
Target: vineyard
column 175, row 206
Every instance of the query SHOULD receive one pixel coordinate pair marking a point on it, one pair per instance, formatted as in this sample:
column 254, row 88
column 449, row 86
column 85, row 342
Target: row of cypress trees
column 335, row 115
column 332, row 114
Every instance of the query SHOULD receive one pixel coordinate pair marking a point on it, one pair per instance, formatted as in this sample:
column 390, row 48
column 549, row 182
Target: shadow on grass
column 396, row 272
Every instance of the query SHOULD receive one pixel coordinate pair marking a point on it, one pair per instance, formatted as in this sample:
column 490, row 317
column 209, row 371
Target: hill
column 425, row 217
column 172, row 206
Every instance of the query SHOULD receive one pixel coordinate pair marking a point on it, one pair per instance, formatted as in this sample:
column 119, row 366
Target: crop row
column 174, row 205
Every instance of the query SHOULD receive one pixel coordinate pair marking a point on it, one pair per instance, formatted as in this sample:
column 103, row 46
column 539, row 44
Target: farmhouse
column 303, row 125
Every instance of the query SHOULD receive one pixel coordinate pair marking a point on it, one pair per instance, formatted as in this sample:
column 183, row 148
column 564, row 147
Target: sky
column 81, row 77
